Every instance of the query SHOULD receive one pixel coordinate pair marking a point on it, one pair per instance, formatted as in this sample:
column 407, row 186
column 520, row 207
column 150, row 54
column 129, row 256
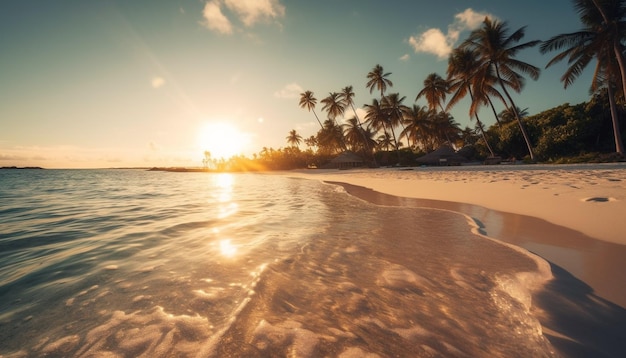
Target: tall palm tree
column 461, row 65
column 377, row 78
column 308, row 101
column 435, row 90
column 594, row 41
column 496, row 54
column 613, row 26
column 294, row 139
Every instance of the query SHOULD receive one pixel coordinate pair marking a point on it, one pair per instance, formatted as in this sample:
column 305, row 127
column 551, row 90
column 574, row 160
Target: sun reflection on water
column 227, row 249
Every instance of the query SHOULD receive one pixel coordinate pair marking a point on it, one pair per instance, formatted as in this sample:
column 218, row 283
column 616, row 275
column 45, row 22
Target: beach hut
column 346, row 160
column 443, row 155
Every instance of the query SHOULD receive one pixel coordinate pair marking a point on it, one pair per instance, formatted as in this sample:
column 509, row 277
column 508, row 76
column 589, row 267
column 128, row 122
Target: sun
column 222, row 139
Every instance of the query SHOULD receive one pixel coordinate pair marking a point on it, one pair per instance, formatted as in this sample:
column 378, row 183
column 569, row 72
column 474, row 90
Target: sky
column 99, row 84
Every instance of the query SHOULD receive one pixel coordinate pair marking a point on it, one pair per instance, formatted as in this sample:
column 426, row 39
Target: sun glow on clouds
column 222, row 140
column 434, row 41
column 220, row 14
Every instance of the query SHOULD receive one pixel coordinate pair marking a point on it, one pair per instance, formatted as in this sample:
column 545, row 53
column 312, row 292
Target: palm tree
column 330, row 137
column 496, row 54
column 508, row 115
column 435, row 90
column 613, row 26
column 395, row 110
column 353, row 134
column 461, row 65
column 311, row 141
column 378, row 118
column 385, row 141
column 417, row 125
column 444, row 126
column 308, row 101
column 346, row 95
column 294, row 139
column 378, row 79
column 334, row 106
column 595, row 41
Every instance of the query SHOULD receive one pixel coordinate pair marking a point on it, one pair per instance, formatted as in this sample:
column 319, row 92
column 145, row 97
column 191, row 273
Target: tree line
column 484, row 69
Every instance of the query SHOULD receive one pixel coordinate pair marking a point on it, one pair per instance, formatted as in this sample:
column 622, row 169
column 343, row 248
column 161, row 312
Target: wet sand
column 582, row 310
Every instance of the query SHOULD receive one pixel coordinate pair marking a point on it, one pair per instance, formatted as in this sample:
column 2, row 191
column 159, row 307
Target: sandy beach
column 586, row 198
column 570, row 215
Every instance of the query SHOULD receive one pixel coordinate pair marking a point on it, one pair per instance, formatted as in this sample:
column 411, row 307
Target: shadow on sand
column 577, row 321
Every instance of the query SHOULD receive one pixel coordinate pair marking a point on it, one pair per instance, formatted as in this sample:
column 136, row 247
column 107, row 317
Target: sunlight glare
column 222, row 140
column 227, row 249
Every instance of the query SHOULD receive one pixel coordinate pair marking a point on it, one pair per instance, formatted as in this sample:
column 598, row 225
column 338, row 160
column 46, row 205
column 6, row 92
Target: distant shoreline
column 14, row 167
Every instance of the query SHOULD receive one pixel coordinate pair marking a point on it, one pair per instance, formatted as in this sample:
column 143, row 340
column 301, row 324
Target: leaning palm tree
column 308, row 101
column 461, row 65
column 294, row 139
column 496, row 54
column 594, row 41
column 435, row 91
column 377, row 78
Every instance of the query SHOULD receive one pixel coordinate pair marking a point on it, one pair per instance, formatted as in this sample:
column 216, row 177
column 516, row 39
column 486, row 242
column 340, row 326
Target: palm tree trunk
column 620, row 61
column 619, row 145
column 480, row 124
column 318, row 120
column 514, row 108
column 493, row 108
column 365, row 141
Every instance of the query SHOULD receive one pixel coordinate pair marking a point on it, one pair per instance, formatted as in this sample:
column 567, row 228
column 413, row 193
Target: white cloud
column 157, row 82
column 434, row 41
column 405, row 57
column 470, row 20
column 253, row 11
column 215, row 19
column 219, row 15
column 290, row 91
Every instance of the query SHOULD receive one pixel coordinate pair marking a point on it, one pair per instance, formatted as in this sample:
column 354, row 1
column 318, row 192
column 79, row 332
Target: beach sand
column 573, row 216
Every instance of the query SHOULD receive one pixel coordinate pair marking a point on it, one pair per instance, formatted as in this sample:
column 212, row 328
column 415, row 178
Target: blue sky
column 140, row 83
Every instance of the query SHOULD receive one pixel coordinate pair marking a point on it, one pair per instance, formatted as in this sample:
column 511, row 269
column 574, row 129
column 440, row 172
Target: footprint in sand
column 599, row 199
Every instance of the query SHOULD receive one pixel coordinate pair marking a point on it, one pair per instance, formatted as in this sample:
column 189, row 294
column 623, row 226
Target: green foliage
column 560, row 132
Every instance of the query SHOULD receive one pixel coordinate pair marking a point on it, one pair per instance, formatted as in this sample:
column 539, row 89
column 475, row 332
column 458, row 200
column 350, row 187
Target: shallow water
column 130, row 263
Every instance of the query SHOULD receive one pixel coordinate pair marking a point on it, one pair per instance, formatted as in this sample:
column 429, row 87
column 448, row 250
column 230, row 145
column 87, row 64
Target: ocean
column 130, row 263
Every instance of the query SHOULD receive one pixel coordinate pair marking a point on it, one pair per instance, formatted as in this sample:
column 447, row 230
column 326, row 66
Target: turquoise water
column 131, row 263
